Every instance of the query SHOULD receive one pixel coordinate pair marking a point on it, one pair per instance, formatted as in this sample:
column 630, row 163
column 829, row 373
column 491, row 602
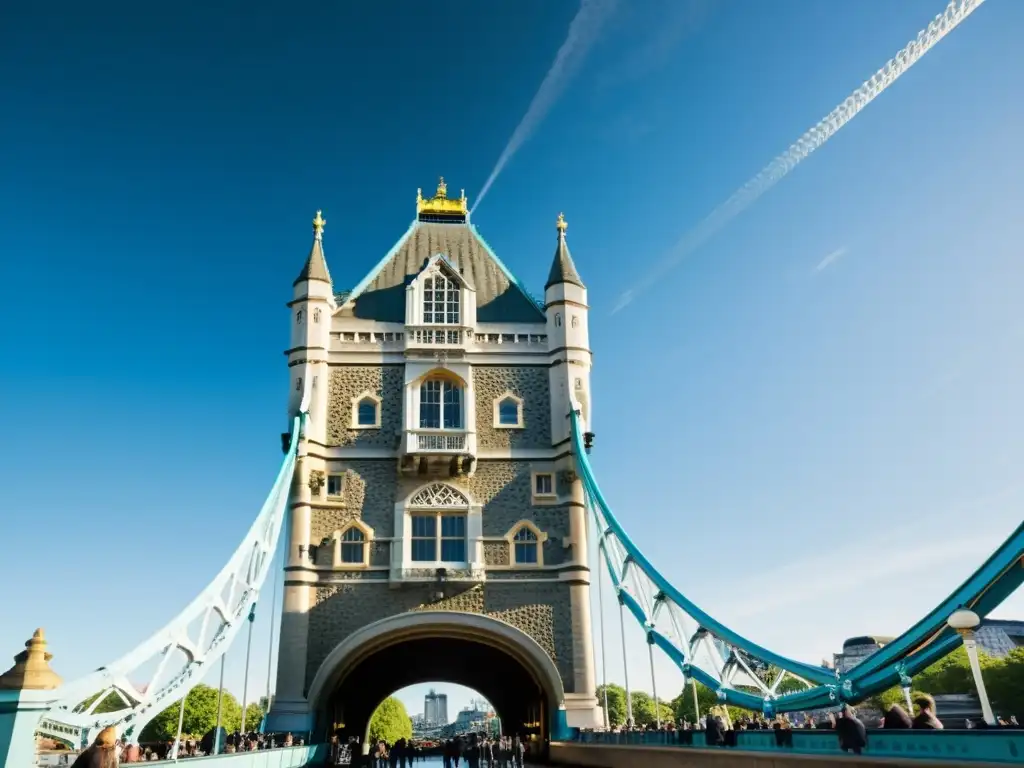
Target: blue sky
column 813, row 424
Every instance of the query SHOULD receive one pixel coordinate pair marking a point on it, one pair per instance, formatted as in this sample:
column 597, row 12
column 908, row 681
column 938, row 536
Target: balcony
column 437, row 337
column 439, row 452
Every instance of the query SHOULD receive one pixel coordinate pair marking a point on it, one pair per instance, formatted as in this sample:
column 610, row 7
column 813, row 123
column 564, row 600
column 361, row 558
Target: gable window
column 335, row 485
column 525, row 544
column 438, row 537
column 441, row 300
column 440, row 404
column 508, row 411
column 353, row 546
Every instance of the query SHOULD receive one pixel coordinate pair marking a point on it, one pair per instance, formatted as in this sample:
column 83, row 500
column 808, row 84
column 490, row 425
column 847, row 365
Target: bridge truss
column 693, row 639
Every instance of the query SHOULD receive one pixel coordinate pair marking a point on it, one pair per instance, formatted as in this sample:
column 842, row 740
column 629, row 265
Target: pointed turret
column 562, row 268
column 316, row 265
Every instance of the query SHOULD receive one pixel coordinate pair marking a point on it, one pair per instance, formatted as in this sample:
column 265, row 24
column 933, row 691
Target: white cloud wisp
column 773, row 173
column 583, row 32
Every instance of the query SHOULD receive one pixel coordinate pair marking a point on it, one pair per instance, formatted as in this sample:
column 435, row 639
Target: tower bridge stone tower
column 437, row 529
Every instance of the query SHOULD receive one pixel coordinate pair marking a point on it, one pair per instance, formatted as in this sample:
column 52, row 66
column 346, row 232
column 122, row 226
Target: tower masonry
column 436, row 513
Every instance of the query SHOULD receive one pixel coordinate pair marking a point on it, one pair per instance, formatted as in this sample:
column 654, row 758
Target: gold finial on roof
column 31, row 670
column 561, row 224
column 440, row 205
column 318, row 225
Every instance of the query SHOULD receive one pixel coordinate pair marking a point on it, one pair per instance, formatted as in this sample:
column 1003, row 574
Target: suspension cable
column 625, row 664
column 654, row 684
column 600, row 613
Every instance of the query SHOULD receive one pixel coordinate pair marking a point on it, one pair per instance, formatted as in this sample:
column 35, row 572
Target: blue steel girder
column 923, row 644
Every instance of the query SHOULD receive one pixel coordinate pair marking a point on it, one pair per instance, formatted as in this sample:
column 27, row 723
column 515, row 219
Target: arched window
column 353, row 546
column 441, row 300
column 508, row 412
column 440, row 404
column 366, row 413
column 526, row 546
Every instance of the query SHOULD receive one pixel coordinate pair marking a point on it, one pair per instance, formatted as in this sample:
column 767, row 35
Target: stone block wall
column 540, row 610
column 529, row 383
column 349, row 381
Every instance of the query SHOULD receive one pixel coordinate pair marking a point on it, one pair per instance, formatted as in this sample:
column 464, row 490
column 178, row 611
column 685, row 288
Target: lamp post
column 964, row 622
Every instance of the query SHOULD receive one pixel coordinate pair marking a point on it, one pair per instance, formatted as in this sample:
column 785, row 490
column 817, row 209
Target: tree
column 390, row 722
column 682, row 704
column 253, row 717
column 1005, row 683
column 644, row 709
column 200, row 716
column 616, row 703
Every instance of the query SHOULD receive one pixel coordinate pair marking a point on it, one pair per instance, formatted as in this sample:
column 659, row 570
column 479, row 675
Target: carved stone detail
column 316, row 482
column 496, row 553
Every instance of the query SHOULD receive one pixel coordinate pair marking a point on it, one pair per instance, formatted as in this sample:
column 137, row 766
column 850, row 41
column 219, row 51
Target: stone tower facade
column 436, row 472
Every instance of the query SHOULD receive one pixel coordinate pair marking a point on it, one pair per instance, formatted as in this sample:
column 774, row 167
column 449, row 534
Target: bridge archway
column 503, row 663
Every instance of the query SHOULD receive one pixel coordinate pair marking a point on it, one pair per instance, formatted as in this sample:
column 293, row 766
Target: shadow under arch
column 501, row 662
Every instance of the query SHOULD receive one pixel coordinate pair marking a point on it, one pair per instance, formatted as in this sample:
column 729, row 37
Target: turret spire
column 316, row 265
column 563, row 270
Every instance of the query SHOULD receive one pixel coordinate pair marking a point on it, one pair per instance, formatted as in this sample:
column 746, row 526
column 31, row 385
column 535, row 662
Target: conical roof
column 563, row 270
column 316, row 265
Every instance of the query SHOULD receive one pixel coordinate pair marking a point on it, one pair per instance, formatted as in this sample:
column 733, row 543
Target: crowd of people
column 476, row 750
column 108, row 751
column 851, row 731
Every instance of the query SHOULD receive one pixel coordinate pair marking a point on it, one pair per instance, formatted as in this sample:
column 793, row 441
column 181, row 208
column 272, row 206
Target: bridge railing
column 995, row 745
column 280, row 757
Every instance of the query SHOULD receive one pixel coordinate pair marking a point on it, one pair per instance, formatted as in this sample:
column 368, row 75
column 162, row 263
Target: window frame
column 543, row 498
column 337, row 558
column 438, row 515
column 453, row 286
column 540, row 538
column 358, row 400
column 447, row 384
column 340, row 477
column 508, row 395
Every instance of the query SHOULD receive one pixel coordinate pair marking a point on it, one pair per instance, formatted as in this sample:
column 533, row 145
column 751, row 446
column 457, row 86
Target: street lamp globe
column 962, row 619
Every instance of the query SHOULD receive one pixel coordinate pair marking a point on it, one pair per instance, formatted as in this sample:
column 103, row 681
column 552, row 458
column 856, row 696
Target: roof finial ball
column 442, row 188
column 561, row 224
column 318, row 225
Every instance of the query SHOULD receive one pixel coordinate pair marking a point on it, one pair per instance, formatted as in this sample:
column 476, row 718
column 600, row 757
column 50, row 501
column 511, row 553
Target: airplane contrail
column 772, row 174
column 583, row 32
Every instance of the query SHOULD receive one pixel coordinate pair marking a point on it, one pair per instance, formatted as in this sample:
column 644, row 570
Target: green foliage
column 1005, row 683
column 616, row 703
column 390, row 722
column 200, row 716
column 644, row 712
column 112, row 703
column 683, row 703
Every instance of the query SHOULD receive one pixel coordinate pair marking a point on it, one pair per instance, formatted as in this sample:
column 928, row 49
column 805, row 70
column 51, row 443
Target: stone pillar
column 581, row 706
column 27, row 690
column 290, row 710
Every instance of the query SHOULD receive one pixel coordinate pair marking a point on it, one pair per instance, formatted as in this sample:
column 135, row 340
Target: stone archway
column 500, row 661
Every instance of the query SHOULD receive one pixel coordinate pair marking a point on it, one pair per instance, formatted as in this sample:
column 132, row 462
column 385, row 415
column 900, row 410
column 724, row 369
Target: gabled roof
column 499, row 297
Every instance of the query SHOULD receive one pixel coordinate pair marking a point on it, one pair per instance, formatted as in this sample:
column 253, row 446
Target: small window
column 544, row 484
column 335, row 485
column 317, row 313
column 508, row 412
column 558, row 320
column 353, row 546
column 526, row 544
column 575, row 321
column 298, row 384
column 366, row 413
column 298, row 317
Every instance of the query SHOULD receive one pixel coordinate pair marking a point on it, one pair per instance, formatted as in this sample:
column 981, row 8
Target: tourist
column 897, row 717
column 926, row 719
column 102, row 754
column 852, row 733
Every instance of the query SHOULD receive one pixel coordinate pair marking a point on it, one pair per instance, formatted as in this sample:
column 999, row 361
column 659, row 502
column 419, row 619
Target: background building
column 435, row 709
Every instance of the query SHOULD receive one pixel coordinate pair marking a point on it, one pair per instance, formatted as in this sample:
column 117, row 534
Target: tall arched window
column 526, row 545
column 353, row 546
column 440, row 404
column 441, row 300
